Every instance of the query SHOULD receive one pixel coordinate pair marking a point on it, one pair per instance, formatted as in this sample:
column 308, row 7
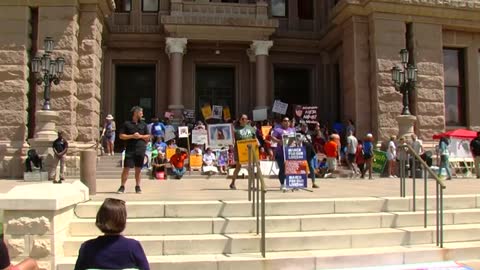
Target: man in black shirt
column 136, row 135
column 475, row 148
column 60, row 148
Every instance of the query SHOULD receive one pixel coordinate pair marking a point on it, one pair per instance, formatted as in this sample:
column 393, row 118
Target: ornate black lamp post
column 404, row 79
column 49, row 70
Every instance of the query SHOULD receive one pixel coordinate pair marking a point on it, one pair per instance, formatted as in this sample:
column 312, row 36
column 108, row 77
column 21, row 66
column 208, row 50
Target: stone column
column 429, row 91
column 14, row 73
column 37, row 218
column 387, row 38
column 356, row 91
column 260, row 49
column 175, row 48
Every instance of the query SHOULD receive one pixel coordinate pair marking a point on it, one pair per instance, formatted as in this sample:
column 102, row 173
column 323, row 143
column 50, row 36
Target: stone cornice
column 106, row 6
column 446, row 12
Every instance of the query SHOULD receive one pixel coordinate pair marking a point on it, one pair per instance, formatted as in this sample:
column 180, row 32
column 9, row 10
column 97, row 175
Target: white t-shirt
column 209, row 158
column 352, row 144
column 417, row 146
column 391, row 151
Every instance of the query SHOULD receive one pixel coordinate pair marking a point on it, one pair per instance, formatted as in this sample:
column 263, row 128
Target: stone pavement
column 217, row 189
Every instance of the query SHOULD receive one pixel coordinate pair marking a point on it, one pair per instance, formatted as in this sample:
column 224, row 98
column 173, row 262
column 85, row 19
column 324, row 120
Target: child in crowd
column 209, row 162
column 223, row 160
column 321, row 168
column 160, row 145
column 263, row 154
column 159, row 166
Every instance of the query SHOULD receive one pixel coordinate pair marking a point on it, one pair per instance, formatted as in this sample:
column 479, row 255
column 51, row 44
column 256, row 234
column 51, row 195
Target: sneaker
column 283, row 188
column 121, row 190
column 138, row 190
column 314, row 185
column 232, row 186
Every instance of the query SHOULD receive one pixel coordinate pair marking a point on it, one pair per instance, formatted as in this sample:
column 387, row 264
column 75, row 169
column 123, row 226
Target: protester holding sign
column 277, row 137
column 242, row 131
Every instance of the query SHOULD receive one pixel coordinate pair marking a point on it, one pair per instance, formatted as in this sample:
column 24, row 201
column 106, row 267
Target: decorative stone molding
column 175, row 45
column 261, row 47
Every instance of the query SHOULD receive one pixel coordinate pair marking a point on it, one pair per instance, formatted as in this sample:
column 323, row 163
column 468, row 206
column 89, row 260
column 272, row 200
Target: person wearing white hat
column 109, row 133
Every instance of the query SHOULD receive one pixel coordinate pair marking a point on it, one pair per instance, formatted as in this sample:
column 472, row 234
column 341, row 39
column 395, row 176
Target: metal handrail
column 256, row 184
column 440, row 185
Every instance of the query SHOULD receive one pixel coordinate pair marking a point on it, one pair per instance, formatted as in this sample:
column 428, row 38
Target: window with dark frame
column 123, row 5
column 305, row 9
column 454, row 81
column 150, row 5
column 279, row 8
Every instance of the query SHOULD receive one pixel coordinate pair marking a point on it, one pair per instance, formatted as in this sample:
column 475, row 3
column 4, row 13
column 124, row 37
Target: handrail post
column 413, row 171
column 425, row 187
column 437, row 216
column 249, row 147
column 441, row 216
column 263, row 243
column 257, row 191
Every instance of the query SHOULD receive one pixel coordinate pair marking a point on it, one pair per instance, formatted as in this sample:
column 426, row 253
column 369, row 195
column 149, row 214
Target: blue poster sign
column 296, row 167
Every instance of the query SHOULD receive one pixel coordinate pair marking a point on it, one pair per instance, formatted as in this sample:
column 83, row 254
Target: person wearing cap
column 109, row 128
column 368, row 153
column 60, row 148
column 136, row 135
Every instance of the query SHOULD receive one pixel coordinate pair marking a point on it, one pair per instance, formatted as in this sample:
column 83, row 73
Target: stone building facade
column 177, row 54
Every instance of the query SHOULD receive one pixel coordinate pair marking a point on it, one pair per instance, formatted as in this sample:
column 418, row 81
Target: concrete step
column 300, row 223
column 310, row 260
column 279, row 207
column 291, row 241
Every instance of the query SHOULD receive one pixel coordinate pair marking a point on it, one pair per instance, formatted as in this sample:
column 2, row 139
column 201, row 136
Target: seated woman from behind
column 111, row 250
column 5, row 264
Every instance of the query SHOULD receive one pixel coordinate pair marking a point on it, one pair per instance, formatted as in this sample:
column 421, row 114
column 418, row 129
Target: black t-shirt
column 475, row 146
column 4, row 259
column 60, row 144
column 135, row 146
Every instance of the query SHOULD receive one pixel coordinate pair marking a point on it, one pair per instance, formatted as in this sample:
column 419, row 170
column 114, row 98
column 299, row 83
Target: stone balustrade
column 219, row 9
column 36, row 219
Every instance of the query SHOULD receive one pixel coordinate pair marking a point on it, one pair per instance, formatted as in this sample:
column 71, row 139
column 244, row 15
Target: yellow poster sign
column 242, row 147
column 226, row 113
column 207, row 111
column 170, row 152
column 196, row 161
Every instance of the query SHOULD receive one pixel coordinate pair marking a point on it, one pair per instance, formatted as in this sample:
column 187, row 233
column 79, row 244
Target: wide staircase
column 302, row 234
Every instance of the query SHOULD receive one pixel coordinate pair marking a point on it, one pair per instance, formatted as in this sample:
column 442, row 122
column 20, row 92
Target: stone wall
column 429, row 93
column 89, row 79
column 14, row 73
column 387, row 38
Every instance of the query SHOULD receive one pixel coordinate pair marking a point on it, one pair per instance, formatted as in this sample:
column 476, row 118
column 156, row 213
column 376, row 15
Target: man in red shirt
column 178, row 162
column 331, row 151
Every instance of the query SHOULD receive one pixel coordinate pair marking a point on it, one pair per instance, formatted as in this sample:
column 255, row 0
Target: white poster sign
column 183, row 132
column 217, row 112
column 279, row 107
column 199, row 136
column 260, row 114
column 459, row 148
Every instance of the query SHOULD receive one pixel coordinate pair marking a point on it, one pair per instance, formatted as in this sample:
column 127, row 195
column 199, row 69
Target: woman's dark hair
column 445, row 140
column 112, row 216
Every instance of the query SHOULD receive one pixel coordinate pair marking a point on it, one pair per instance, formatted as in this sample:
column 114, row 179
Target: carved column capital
column 175, row 45
column 261, row 47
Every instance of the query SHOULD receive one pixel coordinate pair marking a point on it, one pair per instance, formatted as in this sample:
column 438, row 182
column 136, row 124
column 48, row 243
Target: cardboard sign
column 266, row 131
column 217, row 112
column 226, row 113
column 169, row 133
column 183, row 132
column 242, row 147
column 207, row 111
column 168, row 115
column 170, row 152
column 196, row 161
column 310, row 114
column 260, row 115
column 199, row 136
column 279, row 107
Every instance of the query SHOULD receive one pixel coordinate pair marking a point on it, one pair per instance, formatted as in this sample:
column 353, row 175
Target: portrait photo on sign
column 220, row 135
column 183, row 132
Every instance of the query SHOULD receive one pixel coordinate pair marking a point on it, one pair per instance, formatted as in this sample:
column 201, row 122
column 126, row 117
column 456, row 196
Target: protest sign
column 189, row 114
column 207, row 111
column 183, row 132
column 226, row 113
column 169, row 133
column 296, row 166
column 279, row 107
column 220, row 135
column 310, row 114
column 266, row 131
column 260, row 114
column 379, row 161
column 196, row 161
column 217, row 112
column 242, row 147
column 170, row 152
column 199, row 136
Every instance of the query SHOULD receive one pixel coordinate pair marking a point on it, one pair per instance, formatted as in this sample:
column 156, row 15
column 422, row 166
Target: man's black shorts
column 351, row 158
column 133, row 160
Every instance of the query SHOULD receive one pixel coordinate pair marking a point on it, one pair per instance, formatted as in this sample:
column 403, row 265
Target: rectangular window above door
column 123, row 5
column 278, row 8
column 150, row 5
column 454, row 81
